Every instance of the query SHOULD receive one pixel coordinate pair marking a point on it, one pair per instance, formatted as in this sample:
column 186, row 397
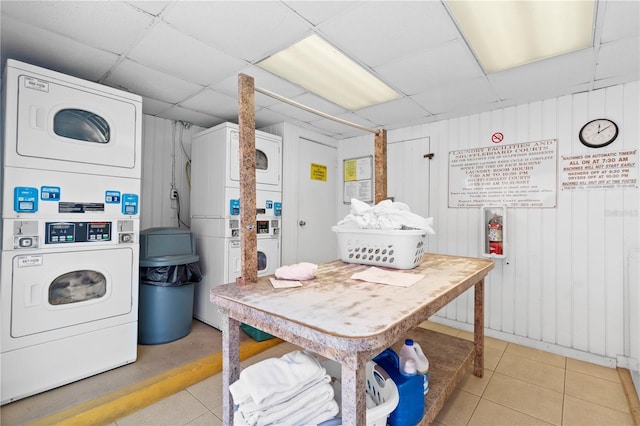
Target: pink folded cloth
column 298, row 271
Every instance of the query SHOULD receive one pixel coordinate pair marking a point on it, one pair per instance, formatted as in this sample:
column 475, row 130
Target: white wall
column 563, row 284
column 161, row 144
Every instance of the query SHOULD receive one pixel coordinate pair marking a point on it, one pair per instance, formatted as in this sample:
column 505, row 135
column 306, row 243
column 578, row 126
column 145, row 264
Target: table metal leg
column 478, row 330
column 230, row 363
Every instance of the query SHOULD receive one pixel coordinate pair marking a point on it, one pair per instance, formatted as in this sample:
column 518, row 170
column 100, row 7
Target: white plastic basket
column 382, row 392
column 396, row 248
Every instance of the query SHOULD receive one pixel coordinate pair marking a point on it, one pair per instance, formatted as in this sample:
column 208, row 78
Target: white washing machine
column 221, row 259
column 69, row 301
column 70, row 226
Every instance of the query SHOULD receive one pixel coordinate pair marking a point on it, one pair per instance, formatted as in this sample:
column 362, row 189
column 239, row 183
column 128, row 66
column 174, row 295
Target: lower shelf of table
column 449, row 358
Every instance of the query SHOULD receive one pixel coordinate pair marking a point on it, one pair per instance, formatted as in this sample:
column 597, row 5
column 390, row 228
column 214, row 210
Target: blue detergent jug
column 410, row 408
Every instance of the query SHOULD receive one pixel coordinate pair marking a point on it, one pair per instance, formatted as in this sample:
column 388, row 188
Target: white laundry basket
column 393, row 248
column 382, row 392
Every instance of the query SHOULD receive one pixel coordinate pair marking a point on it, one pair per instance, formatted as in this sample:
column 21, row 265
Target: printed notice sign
column 357, row 169
column 358, row 182
column 601, row 170
column 318, row 172
column 517, row 175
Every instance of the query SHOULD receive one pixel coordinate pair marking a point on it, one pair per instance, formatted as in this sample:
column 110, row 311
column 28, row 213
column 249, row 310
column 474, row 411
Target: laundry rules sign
column 599, row 170
column 517, row 175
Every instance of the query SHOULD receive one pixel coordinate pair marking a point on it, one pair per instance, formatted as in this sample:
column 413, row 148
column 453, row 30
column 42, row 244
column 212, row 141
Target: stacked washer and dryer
column 70, row 225
column 215, row 210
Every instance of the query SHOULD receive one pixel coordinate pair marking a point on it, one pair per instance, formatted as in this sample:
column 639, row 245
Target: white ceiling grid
column 184, row 57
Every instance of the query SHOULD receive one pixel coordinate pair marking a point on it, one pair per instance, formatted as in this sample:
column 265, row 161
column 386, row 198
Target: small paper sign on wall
column 358, row 183
column 318, row 172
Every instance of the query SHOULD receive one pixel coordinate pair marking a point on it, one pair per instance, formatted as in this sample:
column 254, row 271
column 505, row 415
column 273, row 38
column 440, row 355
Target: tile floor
column 521, row 386
column 152, row 361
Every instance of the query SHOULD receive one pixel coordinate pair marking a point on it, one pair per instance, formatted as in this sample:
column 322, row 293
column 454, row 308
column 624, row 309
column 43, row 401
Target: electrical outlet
column 173, row 194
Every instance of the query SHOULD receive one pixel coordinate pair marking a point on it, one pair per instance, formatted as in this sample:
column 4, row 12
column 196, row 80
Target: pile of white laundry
column 384, row 215
column 291, row 390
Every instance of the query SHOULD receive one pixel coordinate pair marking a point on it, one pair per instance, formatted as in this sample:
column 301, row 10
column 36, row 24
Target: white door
column 408, row 174
column 317, row 194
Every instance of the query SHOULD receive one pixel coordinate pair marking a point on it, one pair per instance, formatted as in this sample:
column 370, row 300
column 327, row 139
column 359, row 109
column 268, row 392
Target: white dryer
column 215, row 168
column 58, row 122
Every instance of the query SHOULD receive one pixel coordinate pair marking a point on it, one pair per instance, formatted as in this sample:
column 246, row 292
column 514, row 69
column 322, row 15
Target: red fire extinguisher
column 494, row 234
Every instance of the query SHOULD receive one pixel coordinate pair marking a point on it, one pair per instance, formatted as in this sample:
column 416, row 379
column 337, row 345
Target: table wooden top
column 335, row 304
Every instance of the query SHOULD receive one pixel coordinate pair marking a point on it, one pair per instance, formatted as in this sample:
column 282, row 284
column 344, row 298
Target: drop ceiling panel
column 377, row 33
column 180, row 55
column 250, row 30
column 199, row 119
column 319, row 104
column 621, row 20
column 546, row 76
column 44, row 48
column 152, row 106
column 342, row 130
column 293, row 112
column 440, row 66
column 113, row 26
column 266, row 117
column 317, row 12
column 476, row 92
column 400, row 110
column 619, row 59
column 148, row 82
column 262, row 79
column 151, row 7
column 212, row 103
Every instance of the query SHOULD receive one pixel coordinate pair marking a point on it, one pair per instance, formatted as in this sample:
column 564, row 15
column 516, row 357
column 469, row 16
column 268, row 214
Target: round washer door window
column 262, row 261
column 77, row 286
column 81, row 125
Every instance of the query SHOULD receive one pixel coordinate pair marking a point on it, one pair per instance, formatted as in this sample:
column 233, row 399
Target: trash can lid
column 169, row 260
column 162, row 246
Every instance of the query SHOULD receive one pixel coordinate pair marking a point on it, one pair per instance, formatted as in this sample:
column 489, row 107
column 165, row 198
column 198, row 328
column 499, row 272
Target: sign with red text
column 601, row 170
column 517, row 175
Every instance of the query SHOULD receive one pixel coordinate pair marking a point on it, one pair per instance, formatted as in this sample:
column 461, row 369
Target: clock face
column 598, row 133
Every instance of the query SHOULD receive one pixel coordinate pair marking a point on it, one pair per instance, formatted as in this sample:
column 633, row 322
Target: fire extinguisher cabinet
column 494, row 231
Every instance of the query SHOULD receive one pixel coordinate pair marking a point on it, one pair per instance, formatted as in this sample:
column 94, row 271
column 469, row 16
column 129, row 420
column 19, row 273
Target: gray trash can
column 169, row 268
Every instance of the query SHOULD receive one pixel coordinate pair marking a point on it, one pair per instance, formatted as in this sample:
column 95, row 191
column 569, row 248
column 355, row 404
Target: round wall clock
column 598, row 133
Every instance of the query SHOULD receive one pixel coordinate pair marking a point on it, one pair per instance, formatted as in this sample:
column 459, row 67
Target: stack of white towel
column 291, row 390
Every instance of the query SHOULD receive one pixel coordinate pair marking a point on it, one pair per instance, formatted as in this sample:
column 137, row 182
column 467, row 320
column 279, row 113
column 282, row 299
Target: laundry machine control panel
column 42, row 234
column 267, row 227
column 77, row 232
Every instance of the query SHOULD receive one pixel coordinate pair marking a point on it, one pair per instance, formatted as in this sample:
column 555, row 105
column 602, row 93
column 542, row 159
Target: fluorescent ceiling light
column 322, row 69
column 505, row 34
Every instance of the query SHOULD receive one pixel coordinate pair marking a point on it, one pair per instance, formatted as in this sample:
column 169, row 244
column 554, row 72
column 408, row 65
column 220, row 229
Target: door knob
column 302, row 223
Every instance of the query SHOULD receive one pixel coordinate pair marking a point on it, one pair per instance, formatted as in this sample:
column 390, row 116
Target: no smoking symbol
column 497, row 137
